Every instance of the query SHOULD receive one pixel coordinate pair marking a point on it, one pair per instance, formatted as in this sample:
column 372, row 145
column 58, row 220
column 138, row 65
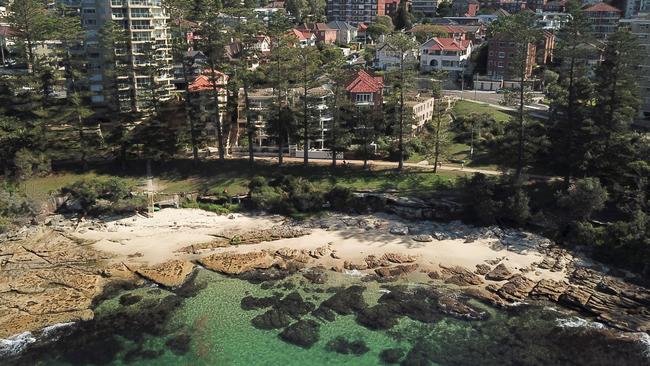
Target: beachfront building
column 426, row 7
column 501, row 54
column 141, row 66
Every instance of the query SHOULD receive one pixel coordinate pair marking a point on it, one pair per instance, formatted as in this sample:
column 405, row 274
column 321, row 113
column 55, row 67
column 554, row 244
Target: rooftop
column 365, row 83
column 602, row 8
column 446, row 44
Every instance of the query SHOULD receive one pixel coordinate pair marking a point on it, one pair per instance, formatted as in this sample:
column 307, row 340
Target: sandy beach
column 156, row 240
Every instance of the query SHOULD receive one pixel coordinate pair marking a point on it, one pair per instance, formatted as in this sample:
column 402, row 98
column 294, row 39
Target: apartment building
column 502, row 52
column 142, row 66
column 426, row 7
column 355, row 12
column 421, row 108
column 603, row 19
column 640, row 27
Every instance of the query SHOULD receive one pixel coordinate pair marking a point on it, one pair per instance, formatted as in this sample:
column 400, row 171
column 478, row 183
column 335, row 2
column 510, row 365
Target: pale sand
column 158, row 239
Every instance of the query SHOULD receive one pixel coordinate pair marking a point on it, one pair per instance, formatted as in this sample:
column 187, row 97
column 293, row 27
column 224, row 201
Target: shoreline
column 495, row 266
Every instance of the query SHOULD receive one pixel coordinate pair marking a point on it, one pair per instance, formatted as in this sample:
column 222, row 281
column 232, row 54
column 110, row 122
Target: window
column 491, row 53
column 364, row 98
column 500, row 63
column 502, row 54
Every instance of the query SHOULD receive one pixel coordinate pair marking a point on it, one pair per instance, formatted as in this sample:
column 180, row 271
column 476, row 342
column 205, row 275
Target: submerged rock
column 316, row 275
column 345, row 347
column 179, row 344
column 129, row 299
column 272, row 319
column 391, row 356
column 252, row 303
column 303, row 333
column 346, row 301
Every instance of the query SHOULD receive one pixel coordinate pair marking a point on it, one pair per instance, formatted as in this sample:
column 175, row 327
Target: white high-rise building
column 634, row 7
column 144, row 59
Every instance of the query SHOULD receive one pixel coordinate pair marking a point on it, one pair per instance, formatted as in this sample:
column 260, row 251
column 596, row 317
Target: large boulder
column 237, row 263
column 499, row 273
column 397, row 270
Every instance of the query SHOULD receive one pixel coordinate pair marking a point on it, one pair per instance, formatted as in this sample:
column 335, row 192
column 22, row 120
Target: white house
column 303, row 38
column 388, row 58
column 445, row 54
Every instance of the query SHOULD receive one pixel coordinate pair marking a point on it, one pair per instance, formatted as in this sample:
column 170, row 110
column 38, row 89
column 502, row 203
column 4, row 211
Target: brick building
column 502, row 51
column 366, row 90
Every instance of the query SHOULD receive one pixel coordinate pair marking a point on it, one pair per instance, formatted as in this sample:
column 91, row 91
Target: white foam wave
column 16, row 344
column 353, row 273
column 48, row 331
column 577, row 322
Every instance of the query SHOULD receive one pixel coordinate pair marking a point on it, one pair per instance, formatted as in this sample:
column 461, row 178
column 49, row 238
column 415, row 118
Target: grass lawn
column 464, row 108
column 233, row 176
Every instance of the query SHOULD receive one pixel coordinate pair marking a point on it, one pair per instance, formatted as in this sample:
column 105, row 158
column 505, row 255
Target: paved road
column 493, row 99
column 388, row 164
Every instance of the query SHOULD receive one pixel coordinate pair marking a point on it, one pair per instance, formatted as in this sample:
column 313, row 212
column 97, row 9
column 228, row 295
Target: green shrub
column 28, row 164
column 516, row 207
column 102, row 196
column 340, row 198
column 218, row 209
column 584, row 198
column 285, row 195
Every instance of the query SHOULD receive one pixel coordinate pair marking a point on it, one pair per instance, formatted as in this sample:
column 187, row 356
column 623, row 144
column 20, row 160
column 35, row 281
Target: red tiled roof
column 6, row 31
column 447, row 44
column 204, row 82
column 365, row 83
column 362, row 27
column 302, row 35
column 602, row 7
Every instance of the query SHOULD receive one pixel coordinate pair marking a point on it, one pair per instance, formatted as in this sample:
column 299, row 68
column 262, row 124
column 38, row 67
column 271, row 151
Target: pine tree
column 571, row 98
column 616, row 105
column 402, row 17
column 31, row 23
column 212, row 43
column 521, row 29
column 402, row 80
column 308, row 63
column 439, row 139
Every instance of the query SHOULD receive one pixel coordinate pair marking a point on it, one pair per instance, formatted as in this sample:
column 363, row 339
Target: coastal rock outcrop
column 460, row 276
column 399, row 258
column 168, row 274
column 46, row 278
column 237, row 263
